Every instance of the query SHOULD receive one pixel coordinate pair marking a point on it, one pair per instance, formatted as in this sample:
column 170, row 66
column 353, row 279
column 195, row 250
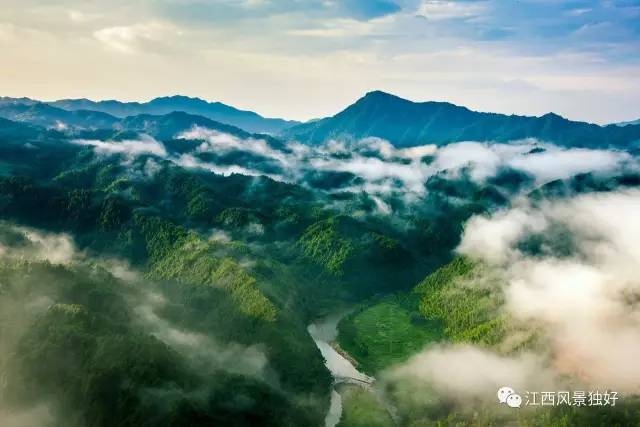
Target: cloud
column 383, row 169
column 219, row 236
column 20, row 242
column 585, row 300
column 417, row 152
column 483, row 159
column 437, row 10
column 216, row 141
column 581, row 304
column 556, row 163
column 213, row 48
column 375, row 170
column 338, row 28
column 204, row 352
column 130, row 148
column 579, row 11
column 468, row 375
column 151, row 168
column 40, row 415
column 82, row 17
column 377, row 162
column 145, row 37
column 17, row 242
column 546, row 162
column 372, row 165
column 191, row 162
column 213, row 142
column 381, row 206
column 493, row 238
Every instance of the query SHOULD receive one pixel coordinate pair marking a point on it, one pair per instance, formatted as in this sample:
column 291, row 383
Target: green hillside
column 405, row 123
column 147, row 279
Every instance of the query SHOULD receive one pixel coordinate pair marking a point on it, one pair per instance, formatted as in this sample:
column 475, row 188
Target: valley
column 195, row 273
column 319, row 213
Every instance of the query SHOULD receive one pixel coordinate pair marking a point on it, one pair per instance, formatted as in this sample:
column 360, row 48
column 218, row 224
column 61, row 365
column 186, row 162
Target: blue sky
column 309, row 58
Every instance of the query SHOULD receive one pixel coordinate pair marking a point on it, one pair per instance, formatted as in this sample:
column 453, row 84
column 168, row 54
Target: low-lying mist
column 184, row 295
column 74, row 327
column 371, row 165
column 568, row 272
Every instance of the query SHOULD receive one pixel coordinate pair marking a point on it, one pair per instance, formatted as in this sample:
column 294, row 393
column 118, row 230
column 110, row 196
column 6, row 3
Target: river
column 324, row 332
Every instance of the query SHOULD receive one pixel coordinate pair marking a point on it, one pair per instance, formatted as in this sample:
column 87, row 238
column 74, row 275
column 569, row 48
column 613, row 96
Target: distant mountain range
column 88, row 124
column 217, row 111
column 10, row 130
column 169, row 125
column 47, row 116
column 378, row 114
column 405, row 123
column 634, row 122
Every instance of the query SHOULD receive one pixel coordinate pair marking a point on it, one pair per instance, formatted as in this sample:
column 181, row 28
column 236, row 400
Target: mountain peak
column 178, row 99
column 378, row 99
column 406, row 123
column 385, row 98
column 247, row 120
column 378, row 95
column 553, row 116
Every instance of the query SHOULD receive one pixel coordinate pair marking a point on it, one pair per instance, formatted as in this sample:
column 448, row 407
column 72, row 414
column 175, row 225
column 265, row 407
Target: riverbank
column 342, row 366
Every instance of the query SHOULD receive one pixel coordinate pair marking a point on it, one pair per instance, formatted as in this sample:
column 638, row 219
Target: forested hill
column 378, row 114
column 405, row 123
column 216, row 111
column 164, row 269
column 90, row 124
column 175, row 294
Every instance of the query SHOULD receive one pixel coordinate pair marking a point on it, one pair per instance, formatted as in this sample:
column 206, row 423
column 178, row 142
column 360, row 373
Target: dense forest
column 165, row 272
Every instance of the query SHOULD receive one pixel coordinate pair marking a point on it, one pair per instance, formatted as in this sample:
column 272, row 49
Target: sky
column 302, row 59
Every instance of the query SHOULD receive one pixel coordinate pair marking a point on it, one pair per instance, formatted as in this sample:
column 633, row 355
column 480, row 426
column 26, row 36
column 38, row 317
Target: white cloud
column 556, row 163
column 204, row 351
column 144, row 37
column 82, row 17
column 61, row 126
column 374, row 169
column 130, row 148
column 381, row 206
column 437, row 10
column 189, row 161
column 38, row 245
column 216, row 141
column 408, row 56
column 151, row 167
column 345, row 27
column 582, row 308
column 417, row 152
column 383, row 168
column 586, row 301
column 219, row 236
column 492, row 238
column 468, row 374
column 41, row 414
column 485, row 159
column 482, row 158
column 579, row 11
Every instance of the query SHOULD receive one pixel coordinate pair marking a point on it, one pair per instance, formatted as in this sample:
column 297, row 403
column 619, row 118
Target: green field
column 360, row 408
column 386, row 333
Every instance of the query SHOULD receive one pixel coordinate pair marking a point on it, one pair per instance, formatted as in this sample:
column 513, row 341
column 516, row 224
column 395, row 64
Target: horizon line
column 147, row 100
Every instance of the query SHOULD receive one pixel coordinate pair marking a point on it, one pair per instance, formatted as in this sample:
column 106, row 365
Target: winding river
column 324, row 332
